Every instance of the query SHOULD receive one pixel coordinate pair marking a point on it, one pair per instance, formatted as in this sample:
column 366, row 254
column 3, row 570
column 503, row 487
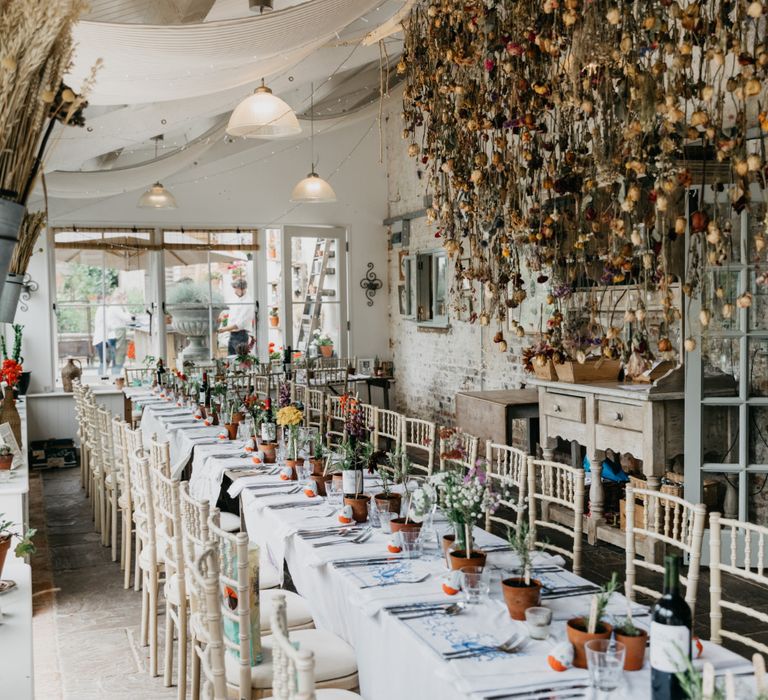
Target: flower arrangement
column 452, row 444
column 284, row 395
column 321, row 339
column 291, row 417
column 25, row 546
column 11, row 369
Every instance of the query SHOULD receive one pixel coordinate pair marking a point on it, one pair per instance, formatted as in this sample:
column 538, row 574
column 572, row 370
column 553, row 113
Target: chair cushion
column 229, row 522
column 171, row 590
column 296, row 610
column 269, row 576
column 334, row 659
column 332, row 694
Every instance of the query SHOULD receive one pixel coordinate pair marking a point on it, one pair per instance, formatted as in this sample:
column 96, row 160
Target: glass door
column 315, row 290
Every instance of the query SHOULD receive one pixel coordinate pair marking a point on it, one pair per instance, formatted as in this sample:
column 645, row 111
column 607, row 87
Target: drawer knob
column 619, row 416
column 556, row 408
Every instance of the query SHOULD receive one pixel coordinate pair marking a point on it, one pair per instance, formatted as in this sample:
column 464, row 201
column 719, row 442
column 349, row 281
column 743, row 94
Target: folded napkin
column 408, row 571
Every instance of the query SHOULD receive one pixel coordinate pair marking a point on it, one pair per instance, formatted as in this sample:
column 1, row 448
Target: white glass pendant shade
column 263, row 115
column 313, row 190
column 157, row 197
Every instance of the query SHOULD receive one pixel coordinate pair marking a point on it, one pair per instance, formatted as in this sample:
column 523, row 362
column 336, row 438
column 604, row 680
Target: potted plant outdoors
column 290, row 418
column 581, row 630
column 521, row 592
column 634, row 640
column 274, row 317
column 6, row 457
column 24, row 547
column 356, row 454
column 324, row 343
column 393, row 465
column 464, row 499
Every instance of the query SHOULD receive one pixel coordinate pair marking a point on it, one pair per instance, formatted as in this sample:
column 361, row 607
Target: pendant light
column 157, row 197
column 313, row 189
column 263, row 115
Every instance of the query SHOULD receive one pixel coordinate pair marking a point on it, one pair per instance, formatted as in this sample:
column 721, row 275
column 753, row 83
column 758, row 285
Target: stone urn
column 193, row 323
column 70, row 372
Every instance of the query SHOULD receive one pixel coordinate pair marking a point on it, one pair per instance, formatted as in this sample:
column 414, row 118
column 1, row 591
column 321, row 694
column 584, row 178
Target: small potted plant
column 521, row 592
column 634, row 640
column 290, row 418
column 6, row 457
column 387, row 497
column 274, row 317
column 24, row 547
column 318, row 452
column 324, row 344
column 581, row 630
column 416, row 504
column 356, row 455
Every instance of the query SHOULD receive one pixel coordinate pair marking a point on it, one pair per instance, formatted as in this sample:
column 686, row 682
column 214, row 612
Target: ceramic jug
column 70, row 372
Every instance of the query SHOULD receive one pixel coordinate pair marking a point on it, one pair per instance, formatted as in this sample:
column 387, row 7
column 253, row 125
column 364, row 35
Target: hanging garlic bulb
column 720, row 293
column 690, row 344
column 727, row 310
column 635, row 237
column 484, row 319
column 520, row 332
column 705, row 316
column 744, row 301
column 630, row 316
column 502, row 346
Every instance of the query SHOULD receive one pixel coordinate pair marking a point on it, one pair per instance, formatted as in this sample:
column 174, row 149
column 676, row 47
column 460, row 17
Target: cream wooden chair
column 551, row 486
column 80, row 394
column 468, row 445
column 314, row 409
column 261, row 386
column 108, row 481
column 669, row 521
column 298, row 393
column 93, row 447
column 125, row 497
column 293, row 675
column 336, row 666
column 143, row 375
column 335, row 420
column 507, row 473
column 418, row 443
column 750, row 540
column 135, row 446
column 387, row 430
column 167, row 513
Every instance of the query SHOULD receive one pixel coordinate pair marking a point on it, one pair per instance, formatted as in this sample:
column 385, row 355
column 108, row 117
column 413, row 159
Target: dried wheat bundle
column 35, row 52
column 30, row 231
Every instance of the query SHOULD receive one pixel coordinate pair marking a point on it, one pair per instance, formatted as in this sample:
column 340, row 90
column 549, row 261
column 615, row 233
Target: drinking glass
column 334, row 495
column 411, row 543
column 538, row 621
column 384, row 517
column 605, row 661
column 475, row 582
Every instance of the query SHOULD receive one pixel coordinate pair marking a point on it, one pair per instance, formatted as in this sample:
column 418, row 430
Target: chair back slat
column 508, row 472
column 418, row 443
column 466, row 454
column 314, row 409
column 293, row 670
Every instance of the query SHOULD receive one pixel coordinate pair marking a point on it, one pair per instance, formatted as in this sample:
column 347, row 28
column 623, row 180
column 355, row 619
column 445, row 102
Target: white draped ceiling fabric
column 147, row 63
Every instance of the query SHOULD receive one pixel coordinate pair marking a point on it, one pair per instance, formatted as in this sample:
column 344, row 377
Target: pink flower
column 489, row 64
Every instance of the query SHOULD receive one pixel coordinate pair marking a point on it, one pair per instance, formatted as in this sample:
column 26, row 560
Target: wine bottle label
column 670, row 647
column 268, row 432
column 352, row 481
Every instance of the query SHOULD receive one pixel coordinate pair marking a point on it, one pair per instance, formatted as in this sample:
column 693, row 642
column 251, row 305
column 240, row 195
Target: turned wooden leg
column 168, row 667
column 596, row 497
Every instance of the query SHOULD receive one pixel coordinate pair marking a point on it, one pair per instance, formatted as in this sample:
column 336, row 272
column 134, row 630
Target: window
column 425, row 297
column 102, row 291
column 209, row 294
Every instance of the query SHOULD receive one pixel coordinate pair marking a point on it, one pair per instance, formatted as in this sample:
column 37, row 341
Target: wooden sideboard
column 643, row 420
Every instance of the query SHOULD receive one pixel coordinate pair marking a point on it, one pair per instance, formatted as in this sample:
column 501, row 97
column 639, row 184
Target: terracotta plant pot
column 458, row 559
column 393, row 500
column 326, row 350
column 292, row 464
column 318, row 465
column 520, row 597
column 319, row 479
column 231, row 430
column 5, row 544
column 274, row 321
column 119, row 383
column 578, row 637
column 237, row 417
column 359, row 507
column 635, row 649
column 270, row 451
column 448, row 541
column 398, row 524
column 6, row 461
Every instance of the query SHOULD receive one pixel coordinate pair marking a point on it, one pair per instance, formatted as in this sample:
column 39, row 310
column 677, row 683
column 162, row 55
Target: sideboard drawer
column 620, row 415
column 566, row 407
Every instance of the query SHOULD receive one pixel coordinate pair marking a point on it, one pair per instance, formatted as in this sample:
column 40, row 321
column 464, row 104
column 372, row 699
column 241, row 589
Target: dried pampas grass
column 30, row 231
column 35, row 52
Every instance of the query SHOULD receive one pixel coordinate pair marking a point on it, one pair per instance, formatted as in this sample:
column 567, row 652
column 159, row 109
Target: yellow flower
column 289, row 415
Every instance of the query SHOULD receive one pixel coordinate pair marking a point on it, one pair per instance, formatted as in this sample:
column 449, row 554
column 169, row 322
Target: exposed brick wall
column 431, row 366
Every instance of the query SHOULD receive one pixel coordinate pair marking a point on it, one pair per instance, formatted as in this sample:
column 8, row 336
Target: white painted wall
column 250, row 188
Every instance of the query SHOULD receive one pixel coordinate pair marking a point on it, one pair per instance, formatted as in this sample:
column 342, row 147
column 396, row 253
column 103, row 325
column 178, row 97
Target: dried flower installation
column 596, row 144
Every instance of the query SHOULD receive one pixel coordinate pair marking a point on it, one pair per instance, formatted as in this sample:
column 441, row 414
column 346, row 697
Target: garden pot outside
column 269, row 449
column 458, row 559
column 274, row 321
column 5, row 545
column 578, row 637
column 318, row 466
column 359, row 507
column 635, row 650
column 520, row 597
column 326, row 350
column 393, row 500
column 398, row 524
column 319, row 479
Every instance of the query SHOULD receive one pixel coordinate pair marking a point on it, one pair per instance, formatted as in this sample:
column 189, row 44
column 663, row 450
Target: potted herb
column 290, row 418
column 6, row 457
column 355, row 456
column 388, row 498
column 414, row 502
column 584, row 629
column 324, row 344
column 24, row 547
column 521, row 592
column 634, row 639
column 274, row 317
column 318, row 454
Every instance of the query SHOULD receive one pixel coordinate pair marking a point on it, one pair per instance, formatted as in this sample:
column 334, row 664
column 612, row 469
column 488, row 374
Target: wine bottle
column 670, row 636
column 268, row 426
column 204, row 389
column 160, row 372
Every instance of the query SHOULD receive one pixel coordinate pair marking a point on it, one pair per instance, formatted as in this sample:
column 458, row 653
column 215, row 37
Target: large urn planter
column 11, row 218
column 520, row 596
column 578, row 636
column 193, row 323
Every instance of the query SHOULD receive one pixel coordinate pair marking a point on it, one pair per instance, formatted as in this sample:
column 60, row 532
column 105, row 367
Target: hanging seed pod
column 690, row 344
column 665, row 345
column 727, row 310
column 484, row 319
column 744, row 301
column 630, row 316
column 502, row 346
column 705, row 315
column 520, row 331
column 581, row 357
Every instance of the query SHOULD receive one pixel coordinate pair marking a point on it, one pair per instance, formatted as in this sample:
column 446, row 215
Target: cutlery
column 414, row 607
column 512, row 645
column 395, row 583
column 331, row 533
column 291, row 504
column 453, row 609
column 569, row 592
column 532, row 692
column 372, row 561
column 364, row 536
column 330, row 513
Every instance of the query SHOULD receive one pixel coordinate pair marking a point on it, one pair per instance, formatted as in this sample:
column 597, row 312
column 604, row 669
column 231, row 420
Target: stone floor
column 86, row 625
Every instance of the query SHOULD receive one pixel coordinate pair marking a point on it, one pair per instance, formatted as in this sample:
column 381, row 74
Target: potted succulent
column 290, row 418
column 387, row 497
column 324, row 344
column 6, row 457
column 274, row 317
column 521, row 592
column 24, row 547
column 581, row 630
column 464, row 499
column 634, row 640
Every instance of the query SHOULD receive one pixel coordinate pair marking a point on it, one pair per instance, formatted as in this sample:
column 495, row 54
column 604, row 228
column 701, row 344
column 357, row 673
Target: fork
column 510, row 646
column 395, row 583
column 358, row 539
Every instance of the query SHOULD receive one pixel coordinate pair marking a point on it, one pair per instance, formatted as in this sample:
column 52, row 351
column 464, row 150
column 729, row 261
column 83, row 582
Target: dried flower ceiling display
column 590, row 145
